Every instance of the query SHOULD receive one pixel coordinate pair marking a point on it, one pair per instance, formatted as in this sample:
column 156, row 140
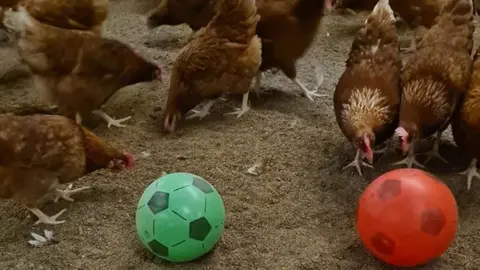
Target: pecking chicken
column 39, row 152
column 80, row 77
column 287, row 28
column 466, row 122
column 367, row 96
column 223, row 58
column 434, row 78
column 78, row 14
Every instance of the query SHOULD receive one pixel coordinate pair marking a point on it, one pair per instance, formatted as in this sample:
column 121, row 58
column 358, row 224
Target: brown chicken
column 287, row 29
column 434, row 78
column 466, row 123
column 39, row 152
column 367, row 96
column 195, row 13
column 78, row 70
column 223, row 59
column 78, row 14
column 417, row 14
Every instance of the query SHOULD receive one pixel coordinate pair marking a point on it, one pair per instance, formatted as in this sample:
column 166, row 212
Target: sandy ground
column 298, row 214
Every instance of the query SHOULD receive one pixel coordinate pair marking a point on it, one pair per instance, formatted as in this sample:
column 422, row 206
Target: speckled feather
column 438, row 72
column 367, row 95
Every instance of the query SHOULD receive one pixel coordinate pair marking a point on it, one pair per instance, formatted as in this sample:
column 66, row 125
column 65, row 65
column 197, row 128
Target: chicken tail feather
column 18, row 20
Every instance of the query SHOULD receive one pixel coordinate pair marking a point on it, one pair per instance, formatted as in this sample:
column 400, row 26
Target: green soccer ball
column 180, row 217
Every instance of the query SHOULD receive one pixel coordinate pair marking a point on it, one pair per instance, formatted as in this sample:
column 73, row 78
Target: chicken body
column 223, row 58
column 80, row 77
column 39, row 152
column 287, row 29
column 78, row 14
column 434, row 78
column 367, row 96
column 466, row 123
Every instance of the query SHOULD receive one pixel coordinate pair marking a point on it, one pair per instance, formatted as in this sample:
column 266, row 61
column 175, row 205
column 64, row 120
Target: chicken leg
column 203, row 111
column 43, row 218
column 242, row 110
column 471, row 172
column 358, row 162
column 65, row 194
column 409, row 160
column 110, row 121
column 435, row 151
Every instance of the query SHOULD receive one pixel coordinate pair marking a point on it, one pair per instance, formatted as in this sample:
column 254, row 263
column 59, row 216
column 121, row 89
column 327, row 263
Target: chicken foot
column 66, row 193
column 471, row 172
column 203, row 111
column 435, row 151
column 110, row 121
column 410, row 159
column 43, row 218
column 358, row 162
column 242, row 110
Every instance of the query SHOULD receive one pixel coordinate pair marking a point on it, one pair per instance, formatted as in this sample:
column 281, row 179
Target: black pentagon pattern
column 199, row 229
column 202, row 185
column 158, row 202
column 158, row 248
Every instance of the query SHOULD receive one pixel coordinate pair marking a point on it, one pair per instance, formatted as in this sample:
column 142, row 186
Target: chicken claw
column 309, row 94
column 65, row 194
column 202, row 112
column 110, row 121
column 471, row 172
column 43, row 218
column 358, row 162
column 409, row 160
column 435, row 151
column 242, row 110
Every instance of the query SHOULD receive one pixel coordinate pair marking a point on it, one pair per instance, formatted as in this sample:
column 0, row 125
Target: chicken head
column 363, row 143
column 404, row 138
column 126, row 161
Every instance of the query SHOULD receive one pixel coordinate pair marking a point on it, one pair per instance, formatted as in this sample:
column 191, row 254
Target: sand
column 297, row 214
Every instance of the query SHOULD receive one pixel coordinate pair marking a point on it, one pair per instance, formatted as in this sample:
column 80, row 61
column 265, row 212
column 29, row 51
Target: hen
column 39, row 152
column 80, row 77
column 223, row 58
column 466, row 123
column 287, row 28
column 434, row 78
column 78, row 14
column 367, row 96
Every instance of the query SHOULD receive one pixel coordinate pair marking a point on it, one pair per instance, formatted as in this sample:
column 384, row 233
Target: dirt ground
column 298, row 214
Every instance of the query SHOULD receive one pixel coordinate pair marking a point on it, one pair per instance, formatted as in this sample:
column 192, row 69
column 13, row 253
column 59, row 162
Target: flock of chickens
column 376, row 99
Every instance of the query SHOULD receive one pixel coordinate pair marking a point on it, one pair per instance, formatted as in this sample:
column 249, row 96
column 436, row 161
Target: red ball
column 407, row 217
